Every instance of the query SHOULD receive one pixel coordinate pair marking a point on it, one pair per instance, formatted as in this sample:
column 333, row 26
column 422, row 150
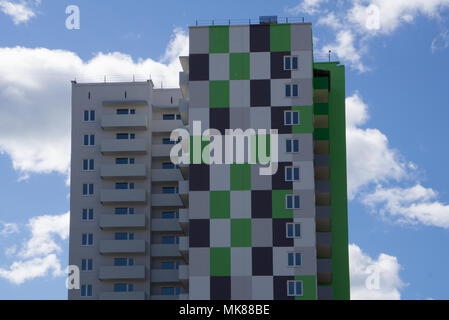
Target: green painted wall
column 278, row 204
column 220, row 204
column 280, row 37
column 308, row 287
column 220, row 261
column 338, row 179
column 219, row 39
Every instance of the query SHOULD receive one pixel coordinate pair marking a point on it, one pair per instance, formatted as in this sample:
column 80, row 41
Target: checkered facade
column 239, row 246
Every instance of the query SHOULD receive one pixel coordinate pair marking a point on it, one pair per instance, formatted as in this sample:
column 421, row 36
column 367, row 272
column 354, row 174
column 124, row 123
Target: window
column 170, row 240
column 294, row 288
column 291, row 90
column 88, row 189
column 168, row 117
column 86, row 290
column 292, row 174
column 293, row 230
column 169, row 190
column 87, row 214
column 89, row 140
column 125, row 136
column 167, row 141
column 124, row 211
column 291, row 118
column 124, row 236
column 124, row 185
column 123, row 262
column 170, row 215
column 88, row 165
column 171, row 291
column 87, row 239
column 290, row 63
column 89, row 115
column 170, row 265
column 86, row 265
column 294, row 259
column 292, row 202
column 178, row 117
column 123, row 287
column 125, row 160
column 169, row 165
column 292, row 146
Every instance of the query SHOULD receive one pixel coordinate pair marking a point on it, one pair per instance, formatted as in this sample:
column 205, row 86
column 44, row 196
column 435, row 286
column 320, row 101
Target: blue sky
column 397, row 107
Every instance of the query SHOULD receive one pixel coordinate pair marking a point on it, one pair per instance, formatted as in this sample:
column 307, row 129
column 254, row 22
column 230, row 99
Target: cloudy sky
column 396, row 56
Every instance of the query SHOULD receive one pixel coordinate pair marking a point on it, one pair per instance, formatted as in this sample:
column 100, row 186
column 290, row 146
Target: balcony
column 112, row 196
column 183, row 274
column 184, row 63
column 166, row 125
column 122, row 246
column 184, row 247
column 165, row 250
column 184, row 84
column 184, row 219
column 184, row 110
column 131, row 121
column 163, row 225
column 184, row 192
column 164, row 276
column 164, row 297
column 114, row 146
column 166, row 200
column 115, row 221
column 161, row 150
column 137, row 295
column 164, row 175
column 122, row 273
column 114, row 171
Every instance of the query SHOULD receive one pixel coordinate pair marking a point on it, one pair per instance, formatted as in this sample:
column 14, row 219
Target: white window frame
column 87, row 240
column 294, row 259
column 87, row 217
column 293, row 201
column 89, row 117
column 89, row 169
column 293, row 174
column 291, row 90
column 292, row 142
column 87, row 265
column 88, row 140
column 295, row 282
column 294, row 233
column 291, row 112
column 291, row 63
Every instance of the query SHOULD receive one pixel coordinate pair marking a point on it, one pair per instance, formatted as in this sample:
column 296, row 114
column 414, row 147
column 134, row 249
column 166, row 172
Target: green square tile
column 321, row 108
column 220, row 204
column 241, row 176
column 278, row 204
column 219, row 39
column 308, row 287
column 239, row 66
column 263, row 152
column 305, row 120
column 202, row 155
column 241, row 233
column 220, row 261
column 280, row 37
column 219, row 94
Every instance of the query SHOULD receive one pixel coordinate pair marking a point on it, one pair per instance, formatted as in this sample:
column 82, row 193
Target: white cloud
column 307, row 6
column 355, row 22
column 7, row 228
column 391, row 14
column 35, row 97
column 19, row 12
column 374, row 279
column 412, row 205
column 40, row 254
column 370, row 158
column 441, row 41
column 373, row 169
column 344, row 47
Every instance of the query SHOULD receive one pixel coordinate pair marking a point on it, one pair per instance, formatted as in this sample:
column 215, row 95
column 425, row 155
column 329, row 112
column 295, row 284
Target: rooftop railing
column 230, row 22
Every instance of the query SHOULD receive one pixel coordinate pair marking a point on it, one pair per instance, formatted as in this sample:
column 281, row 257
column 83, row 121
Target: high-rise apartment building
column 145, row 228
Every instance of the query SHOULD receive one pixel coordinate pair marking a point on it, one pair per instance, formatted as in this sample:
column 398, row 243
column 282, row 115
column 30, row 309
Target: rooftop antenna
column 330, row 51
